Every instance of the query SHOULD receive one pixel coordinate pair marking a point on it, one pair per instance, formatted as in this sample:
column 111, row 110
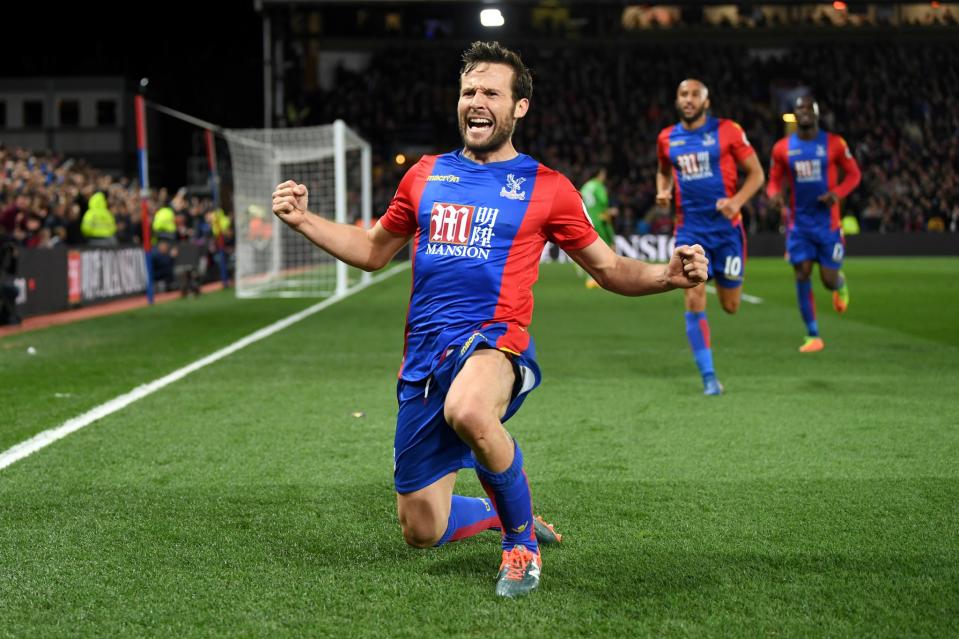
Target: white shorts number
column 734, row 266
column 837, row 252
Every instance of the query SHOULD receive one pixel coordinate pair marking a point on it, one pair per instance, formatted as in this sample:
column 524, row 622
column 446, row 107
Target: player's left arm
column 687, row 268
column 747, row 160
column 755, row 176
column 842, row 155
column 569, row 226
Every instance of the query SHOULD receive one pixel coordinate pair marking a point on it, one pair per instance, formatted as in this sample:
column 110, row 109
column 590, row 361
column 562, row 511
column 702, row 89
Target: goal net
column 333, row 162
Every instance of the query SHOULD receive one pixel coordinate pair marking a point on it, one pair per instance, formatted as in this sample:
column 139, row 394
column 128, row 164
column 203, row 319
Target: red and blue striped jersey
column 478, row 234
column 704, row 166
column 813, row 170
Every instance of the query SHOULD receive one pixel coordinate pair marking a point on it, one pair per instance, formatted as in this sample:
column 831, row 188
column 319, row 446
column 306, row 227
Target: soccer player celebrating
column 596, row 199
column 479, row 218
column 812, row 158
column 699, row 156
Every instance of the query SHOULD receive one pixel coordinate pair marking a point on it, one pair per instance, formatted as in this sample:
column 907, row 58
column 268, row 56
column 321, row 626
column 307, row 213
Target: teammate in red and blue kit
column 699, row 157
column 812, row 159
column 479, row 218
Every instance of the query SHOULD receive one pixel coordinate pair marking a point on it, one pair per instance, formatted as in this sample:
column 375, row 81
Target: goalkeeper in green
column 596, row 199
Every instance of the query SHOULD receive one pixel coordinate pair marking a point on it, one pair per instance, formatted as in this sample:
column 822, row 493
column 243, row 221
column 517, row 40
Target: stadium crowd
column 46, row 199
column 897, row 105
column 593, row 107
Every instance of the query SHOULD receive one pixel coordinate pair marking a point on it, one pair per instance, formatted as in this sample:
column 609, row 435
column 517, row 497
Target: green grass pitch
column 818, row 497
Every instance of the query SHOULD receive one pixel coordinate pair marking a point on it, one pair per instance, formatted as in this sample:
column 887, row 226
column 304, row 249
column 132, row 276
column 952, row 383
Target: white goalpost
column 334, row 163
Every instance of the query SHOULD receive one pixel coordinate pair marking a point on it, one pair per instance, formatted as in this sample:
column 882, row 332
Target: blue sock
column 807, row 306
column 510, row 493
column 697, row 331
column 469, row 516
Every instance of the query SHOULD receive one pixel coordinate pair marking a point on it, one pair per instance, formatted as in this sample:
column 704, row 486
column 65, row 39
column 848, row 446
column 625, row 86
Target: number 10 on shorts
column 733, row 267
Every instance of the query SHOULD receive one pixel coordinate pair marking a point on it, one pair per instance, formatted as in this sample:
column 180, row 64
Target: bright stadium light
column 789, row 118
column 492, row 18
column 400, row 159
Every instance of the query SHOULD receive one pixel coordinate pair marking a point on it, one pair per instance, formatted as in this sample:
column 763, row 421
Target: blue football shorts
column 824, row 246
column 725, row 250
column 425, row 447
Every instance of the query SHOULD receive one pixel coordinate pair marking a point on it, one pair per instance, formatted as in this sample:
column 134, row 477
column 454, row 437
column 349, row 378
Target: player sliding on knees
column 478, row 218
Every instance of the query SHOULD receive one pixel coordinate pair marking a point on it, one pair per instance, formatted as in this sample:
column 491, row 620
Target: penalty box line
column 45, row 438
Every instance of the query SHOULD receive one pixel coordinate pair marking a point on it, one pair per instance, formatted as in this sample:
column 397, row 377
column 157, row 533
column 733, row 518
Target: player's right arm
column 664, row 170
column 368, row 249
column 778, row 168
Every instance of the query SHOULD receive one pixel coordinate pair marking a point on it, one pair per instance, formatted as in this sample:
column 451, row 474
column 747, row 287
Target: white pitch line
column 751, row 299
column 47, row 437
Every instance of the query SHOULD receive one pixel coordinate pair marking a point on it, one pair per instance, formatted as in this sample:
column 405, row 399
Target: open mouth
column 478, row 124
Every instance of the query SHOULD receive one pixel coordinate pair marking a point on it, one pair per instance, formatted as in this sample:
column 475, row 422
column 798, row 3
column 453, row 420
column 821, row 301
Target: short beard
column 501, row 135
column 693, row 117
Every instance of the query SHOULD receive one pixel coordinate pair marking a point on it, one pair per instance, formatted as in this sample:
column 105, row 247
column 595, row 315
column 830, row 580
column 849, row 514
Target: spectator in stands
column 164, row 225
column 11, row 215
column 74, row 234
column 8, row 290
column 98, row 224
column 164, row 262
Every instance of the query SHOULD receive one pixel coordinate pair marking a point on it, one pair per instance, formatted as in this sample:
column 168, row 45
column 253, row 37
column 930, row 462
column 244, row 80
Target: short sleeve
column 662, row 150
column 568, row 223
column 739, row 144
column 400, row 218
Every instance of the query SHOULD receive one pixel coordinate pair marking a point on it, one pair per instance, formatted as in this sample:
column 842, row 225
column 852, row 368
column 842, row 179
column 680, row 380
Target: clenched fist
column 688, row 266
column 290, row 202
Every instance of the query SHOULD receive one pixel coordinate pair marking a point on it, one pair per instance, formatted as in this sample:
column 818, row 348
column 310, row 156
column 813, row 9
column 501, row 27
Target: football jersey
column 478, row 234
column 704, row 165
column 813, row 170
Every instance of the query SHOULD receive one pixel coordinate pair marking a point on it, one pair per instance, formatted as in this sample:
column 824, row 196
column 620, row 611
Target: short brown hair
column 494, row 52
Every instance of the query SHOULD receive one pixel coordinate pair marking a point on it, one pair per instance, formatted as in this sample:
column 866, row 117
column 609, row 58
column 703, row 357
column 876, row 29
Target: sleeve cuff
column 581, row 242
column 388, row 224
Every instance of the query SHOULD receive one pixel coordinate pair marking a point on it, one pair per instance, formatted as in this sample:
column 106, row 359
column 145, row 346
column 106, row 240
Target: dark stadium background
column 206, row 60
column 200, row 57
